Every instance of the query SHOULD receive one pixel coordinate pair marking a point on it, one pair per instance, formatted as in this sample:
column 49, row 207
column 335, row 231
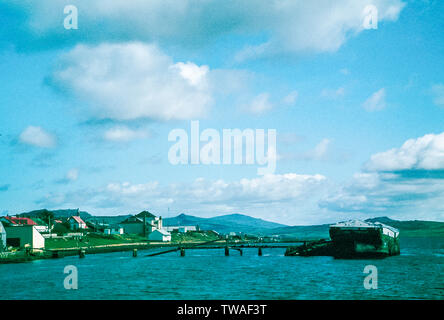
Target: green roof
column 146, row 214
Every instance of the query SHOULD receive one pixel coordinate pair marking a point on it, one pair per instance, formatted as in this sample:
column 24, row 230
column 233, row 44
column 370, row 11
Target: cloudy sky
column 359, row 113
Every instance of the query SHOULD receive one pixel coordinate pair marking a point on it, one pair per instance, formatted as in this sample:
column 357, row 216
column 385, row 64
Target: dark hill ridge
column 224, row 224
column 61, row 213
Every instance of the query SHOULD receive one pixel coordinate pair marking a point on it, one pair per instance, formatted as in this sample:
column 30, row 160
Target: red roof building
column 16, row 221
column 76, row 223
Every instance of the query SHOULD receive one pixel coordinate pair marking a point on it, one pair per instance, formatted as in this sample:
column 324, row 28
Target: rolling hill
column 61, row 213
column 224, row 224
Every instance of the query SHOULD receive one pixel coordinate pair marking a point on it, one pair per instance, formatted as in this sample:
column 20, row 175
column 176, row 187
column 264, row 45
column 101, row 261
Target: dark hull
column 350, row 244
column 367, row 243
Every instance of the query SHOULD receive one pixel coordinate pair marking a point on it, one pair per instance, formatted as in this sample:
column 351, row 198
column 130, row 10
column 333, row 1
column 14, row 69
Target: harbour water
column 207, row 274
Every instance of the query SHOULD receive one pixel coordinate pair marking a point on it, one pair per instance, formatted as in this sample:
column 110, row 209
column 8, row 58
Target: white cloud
column 133, row 80
column 195, row 75
column 320, row 151
column 273, row 187
column 424, row 153
column 292, row 25
column 124, row 134
column 38, row 137
column 438, row 92
column 394, row 195
column 376, row 101
column 406, row 182
column 291, row 98
column 72, row 175
column 333, row 94
column 260, row 104
column 128, row 189
column 287, row 192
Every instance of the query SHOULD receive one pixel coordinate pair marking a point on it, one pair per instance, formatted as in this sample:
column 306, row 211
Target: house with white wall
column 181, row 229
column 159, row 235
column 2, row 238
column 113, row 229
column 20, row 236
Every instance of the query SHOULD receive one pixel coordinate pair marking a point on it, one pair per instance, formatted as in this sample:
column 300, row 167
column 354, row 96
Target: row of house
column 23, row 231
column 144, row 224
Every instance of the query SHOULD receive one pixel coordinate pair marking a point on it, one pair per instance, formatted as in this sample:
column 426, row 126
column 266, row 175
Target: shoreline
column 58, row 253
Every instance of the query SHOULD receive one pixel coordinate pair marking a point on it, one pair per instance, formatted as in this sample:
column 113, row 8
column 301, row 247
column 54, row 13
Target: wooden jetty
column 231, row 246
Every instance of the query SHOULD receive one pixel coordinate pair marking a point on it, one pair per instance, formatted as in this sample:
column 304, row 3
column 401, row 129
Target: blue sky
column 86, row 113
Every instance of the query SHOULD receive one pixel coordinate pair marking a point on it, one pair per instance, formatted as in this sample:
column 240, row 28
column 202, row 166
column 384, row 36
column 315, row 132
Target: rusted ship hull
column 371, row 243
column 353, row 240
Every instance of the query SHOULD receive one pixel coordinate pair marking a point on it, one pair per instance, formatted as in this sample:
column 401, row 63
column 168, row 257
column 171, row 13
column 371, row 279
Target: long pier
column 230, row 246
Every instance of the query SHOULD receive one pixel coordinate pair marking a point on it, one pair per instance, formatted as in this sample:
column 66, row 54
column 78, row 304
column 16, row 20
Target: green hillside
column 224, row 224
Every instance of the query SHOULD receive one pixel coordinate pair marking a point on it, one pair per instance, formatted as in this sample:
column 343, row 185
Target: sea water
column 208, row 274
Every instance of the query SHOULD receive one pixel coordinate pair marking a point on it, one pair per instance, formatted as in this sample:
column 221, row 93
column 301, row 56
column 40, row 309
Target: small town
column 43, row 234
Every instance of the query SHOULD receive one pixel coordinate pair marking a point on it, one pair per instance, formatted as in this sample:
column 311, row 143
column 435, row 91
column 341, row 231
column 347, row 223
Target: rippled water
column 207, row 274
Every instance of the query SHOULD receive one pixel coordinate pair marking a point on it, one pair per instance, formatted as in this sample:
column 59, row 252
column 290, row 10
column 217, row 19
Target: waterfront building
column 76, row 223
column 113, row 229
column 143, row 223
column 23, row 235
column 132, row 225
column 2, row 238
column 181, row 229
column 159, row 235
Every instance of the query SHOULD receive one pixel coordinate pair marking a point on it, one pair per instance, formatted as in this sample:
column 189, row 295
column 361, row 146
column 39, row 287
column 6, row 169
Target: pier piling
column 227, row 251
column 259, row 251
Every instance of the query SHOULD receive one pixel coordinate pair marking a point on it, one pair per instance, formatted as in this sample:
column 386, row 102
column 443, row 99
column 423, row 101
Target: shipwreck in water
column 353, row 239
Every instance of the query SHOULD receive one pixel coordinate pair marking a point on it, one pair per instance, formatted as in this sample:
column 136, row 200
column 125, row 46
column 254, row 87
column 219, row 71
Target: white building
column 21, row 235
column 159, row 235
column 42, row 229
column 143, row 223
column 113, row 229
column 181, row 229
column 2, row 238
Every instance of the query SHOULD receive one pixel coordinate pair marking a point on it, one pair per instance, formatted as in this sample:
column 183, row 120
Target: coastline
column 57, row 253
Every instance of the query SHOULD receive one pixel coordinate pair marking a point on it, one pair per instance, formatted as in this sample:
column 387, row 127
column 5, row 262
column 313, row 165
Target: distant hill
column 301, row 232
column 412, row 228
column 108, row 219
column 61, row 213
column 224, row 224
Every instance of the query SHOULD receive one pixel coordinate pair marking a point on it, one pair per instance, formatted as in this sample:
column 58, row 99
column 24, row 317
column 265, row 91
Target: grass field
column 93, row 239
